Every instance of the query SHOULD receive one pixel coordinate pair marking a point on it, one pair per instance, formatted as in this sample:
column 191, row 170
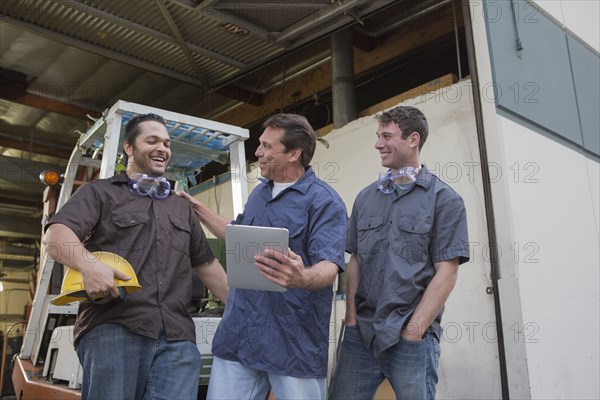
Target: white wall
column 554, row 195
column 546, row 211
column 578, row 16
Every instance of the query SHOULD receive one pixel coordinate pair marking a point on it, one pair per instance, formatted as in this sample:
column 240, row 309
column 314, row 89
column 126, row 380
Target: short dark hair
column 297, row 134
column 408, row 119
column 132, row 129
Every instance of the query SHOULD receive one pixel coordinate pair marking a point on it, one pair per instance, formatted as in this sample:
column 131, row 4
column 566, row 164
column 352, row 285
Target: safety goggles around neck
column 386, row 181
column 152, row 186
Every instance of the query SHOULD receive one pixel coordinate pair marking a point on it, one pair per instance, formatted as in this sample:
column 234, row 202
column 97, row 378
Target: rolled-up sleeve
column 81, row 213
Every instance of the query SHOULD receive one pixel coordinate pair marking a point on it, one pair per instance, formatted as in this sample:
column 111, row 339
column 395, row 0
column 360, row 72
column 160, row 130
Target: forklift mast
column 194, row 143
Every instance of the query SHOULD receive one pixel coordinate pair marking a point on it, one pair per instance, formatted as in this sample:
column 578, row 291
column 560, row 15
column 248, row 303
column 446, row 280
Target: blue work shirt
column 287, row 332
column 397, row 238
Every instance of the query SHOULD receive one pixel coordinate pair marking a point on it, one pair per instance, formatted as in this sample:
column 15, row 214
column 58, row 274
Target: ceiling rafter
column 206, row 8
column 254, row 5
column 34, row 147
column 310, row 20
column 48, row 104
column 181, row 41
column 150, row 32
column 101, row 51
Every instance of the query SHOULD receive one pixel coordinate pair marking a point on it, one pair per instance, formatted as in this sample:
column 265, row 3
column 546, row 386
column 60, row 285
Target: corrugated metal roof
column 61, row 60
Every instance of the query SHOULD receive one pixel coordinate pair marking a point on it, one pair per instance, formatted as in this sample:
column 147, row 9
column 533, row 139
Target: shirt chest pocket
column 371, row 234
column 180, row 234
column 294, row 222
column 412, row 239
column 130, row 232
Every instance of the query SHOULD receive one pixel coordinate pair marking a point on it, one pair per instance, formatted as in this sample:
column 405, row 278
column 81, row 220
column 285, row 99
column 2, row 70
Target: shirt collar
column 424, row 177
column 121, row 177
column 301, row 185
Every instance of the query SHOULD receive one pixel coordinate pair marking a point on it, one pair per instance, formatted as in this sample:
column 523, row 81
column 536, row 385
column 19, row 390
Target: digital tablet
column 242, row 243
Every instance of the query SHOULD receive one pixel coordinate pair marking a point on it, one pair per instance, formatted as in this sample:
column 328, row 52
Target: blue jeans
column 231, row 380
column 410, row 367
column 118, row 364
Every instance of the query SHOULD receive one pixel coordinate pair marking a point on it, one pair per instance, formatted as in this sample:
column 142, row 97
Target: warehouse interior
column 63, row 63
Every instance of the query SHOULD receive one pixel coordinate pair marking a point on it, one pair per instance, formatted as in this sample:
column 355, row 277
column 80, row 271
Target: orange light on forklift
column 49, row 177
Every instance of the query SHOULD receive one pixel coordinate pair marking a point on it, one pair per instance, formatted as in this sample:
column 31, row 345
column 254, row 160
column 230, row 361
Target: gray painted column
column 342, row 69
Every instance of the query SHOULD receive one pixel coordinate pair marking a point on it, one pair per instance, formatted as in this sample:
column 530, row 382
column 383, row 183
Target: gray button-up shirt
column 162, row 240
column 397, row 238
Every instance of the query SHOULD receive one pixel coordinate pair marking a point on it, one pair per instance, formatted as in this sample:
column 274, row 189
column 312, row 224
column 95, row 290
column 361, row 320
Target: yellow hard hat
column 72, row 285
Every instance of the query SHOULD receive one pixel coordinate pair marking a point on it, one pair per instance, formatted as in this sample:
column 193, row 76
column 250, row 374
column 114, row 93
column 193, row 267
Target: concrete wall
column 546, row 211
column 553, row 193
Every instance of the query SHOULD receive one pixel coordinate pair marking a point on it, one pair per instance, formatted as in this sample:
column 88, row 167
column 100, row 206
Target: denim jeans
column 118, row 364
column 231, row 380
column 410, row 367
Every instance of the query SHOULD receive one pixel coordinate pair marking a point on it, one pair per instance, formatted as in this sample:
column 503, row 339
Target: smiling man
column 407, row 235
column 271, row 338
column 142, row 346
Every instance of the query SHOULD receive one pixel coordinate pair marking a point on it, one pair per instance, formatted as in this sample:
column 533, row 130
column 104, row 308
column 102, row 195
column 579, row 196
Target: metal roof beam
column 47, row 104
column 254, row 6
column 16, row 257
column 150, row 32
column 11, row 280
column 423, row 9
column 206, row 9
column 35, row 147
column 92, row 48
column 242, row 94
column 181, row 41
column 20, row 226
column 312, row 19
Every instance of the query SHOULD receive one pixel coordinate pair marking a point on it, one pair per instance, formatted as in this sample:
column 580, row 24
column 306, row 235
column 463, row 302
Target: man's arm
column 213, row 276
column 435, row 296
column 352, row 280
column 65, row 247
column 213, row 221
column 289, row 270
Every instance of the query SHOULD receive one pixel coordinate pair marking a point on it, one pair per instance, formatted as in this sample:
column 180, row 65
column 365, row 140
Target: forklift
column 47, row 366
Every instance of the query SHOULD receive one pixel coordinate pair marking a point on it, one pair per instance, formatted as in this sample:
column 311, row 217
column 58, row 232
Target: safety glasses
column 145, row 185
column 386, row 183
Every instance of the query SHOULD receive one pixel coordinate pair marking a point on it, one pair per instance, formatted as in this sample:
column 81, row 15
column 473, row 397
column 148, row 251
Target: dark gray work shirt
column 397, row 238
column 162, row 240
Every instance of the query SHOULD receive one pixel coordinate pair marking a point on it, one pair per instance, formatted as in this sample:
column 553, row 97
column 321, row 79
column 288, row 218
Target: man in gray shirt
column 407, row 236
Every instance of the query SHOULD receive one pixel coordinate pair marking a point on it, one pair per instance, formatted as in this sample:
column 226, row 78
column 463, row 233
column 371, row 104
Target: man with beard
column 143, row 345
